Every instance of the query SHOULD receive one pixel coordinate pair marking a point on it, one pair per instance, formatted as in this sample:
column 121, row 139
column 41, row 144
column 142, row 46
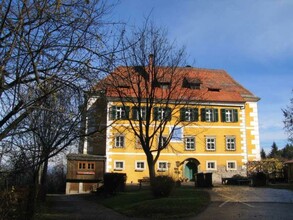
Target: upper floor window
column 138, row 143
column 119, row 141
column 139, row 113
column 189, row 114
column 162, row 142
column 209, row 115
column 229, row 115
column 177, row 134
column 119, row 112
column 230, row 143
column 210, row 143
column 162, row 114
column 86, row 165
column 189, row 143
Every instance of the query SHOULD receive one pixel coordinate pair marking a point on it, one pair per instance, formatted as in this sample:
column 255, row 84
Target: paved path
column 77, row 207
column 227, row 202
column 242, row 202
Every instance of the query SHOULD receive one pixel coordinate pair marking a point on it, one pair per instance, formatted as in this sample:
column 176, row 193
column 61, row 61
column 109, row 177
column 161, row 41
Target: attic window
column 214, row 89
column 164, row 85
column 191, row 83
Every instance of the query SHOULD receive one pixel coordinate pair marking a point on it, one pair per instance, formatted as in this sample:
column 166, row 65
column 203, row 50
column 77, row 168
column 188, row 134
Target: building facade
column 215, row 128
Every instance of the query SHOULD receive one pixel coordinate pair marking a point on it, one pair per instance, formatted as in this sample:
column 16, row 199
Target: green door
column 190, row 170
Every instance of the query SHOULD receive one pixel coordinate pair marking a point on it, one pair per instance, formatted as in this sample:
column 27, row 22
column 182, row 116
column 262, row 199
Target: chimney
column 151, row 60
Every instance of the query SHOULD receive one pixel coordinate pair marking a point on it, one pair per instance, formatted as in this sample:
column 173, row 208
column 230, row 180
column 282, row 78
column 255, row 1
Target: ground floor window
column 118, row 165
column 86, row 165
column 211, row 165
column 139, row 165
column 231, row 165
column 162, row 166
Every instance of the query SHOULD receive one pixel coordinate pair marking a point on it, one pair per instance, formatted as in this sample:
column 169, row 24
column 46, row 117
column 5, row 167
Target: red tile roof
column 215, row 85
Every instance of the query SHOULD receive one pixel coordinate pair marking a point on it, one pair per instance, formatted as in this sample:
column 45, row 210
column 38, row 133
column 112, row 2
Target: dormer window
column 191, row 83
column 164, row 85
column 214, row 89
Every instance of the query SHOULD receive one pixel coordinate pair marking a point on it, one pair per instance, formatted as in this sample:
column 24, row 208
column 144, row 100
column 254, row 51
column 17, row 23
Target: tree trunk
column 151, row 165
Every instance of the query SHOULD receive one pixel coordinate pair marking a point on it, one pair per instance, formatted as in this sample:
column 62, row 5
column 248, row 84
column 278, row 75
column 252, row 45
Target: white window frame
column 209, row 115
column 162, row 139
column 161, row 114
column 177, row 134
column 229, row 143
column 228, row 115
column 209, row 142
column 119, row 145
column 211, row 162
column 164, row 168
column 189, row 142
column 119, row 161
column 231, row 161
column 138, row 167
column 120, row 112
column 137, row 143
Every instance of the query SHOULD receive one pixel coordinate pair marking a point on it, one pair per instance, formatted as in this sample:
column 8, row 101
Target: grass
column 183, row 202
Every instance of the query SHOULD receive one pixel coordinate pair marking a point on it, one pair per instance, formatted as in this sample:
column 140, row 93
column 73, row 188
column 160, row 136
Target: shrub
column 162, row 186
column 259, row 179
column 114, row 182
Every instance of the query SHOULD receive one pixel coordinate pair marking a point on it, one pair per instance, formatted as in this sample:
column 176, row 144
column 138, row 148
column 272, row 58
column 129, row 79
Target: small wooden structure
column 84, row 172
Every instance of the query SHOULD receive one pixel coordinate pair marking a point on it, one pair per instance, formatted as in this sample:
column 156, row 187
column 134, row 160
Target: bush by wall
column 162, row 186
column 114, row 182
column 258, row 179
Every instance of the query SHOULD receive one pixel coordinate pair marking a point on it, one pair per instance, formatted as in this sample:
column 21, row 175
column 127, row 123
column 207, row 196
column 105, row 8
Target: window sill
column 138, row 170
column 161, row 170
column 118, row 169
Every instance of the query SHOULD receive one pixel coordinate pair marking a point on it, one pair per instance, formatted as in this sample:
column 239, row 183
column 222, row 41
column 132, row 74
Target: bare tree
column 149, row 81
column 45, row 39
column 288, row 120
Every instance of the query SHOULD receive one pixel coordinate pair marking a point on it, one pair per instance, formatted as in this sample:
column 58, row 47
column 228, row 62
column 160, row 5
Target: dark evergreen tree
column 263, row 154
column 274, row 151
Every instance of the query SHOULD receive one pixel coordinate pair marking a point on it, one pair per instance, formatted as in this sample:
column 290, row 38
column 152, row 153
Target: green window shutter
column 203, row 114
column 168, row 114
column 134, row 113
column 215, row 115
column 155, row 113
column 182, row 114
column 112, row 112
column 194, row 114
column 235, row 115
column 223, row 115
column 127, row 110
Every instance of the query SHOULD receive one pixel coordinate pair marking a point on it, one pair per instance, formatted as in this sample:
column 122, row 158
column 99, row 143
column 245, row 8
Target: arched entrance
column 190, row 168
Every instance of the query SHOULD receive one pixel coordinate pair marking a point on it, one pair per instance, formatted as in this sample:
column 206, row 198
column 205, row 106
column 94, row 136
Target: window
column 209, row 115
column 137, row 143
column 139, row 165
column 118, row 165
column 189, row 114
column 162, row 166
column 210, row 143
column 139, row 113
column 177, row 134
column 119, row 141
column 162, row 114
column 86, row 165
column 189, row 143
column 229, row 115
column 119, row 112
column 231, row 165
column 162, row 142
column 211, row 165
column 230, row 143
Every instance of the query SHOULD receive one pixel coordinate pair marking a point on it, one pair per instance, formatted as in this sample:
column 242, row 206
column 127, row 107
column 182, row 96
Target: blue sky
column 252, row 40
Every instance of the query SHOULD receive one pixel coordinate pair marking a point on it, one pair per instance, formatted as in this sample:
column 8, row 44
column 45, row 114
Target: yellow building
column 211, row 123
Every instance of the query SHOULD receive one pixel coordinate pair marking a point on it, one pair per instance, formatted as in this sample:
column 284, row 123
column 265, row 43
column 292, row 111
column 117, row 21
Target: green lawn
column 183, row 202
